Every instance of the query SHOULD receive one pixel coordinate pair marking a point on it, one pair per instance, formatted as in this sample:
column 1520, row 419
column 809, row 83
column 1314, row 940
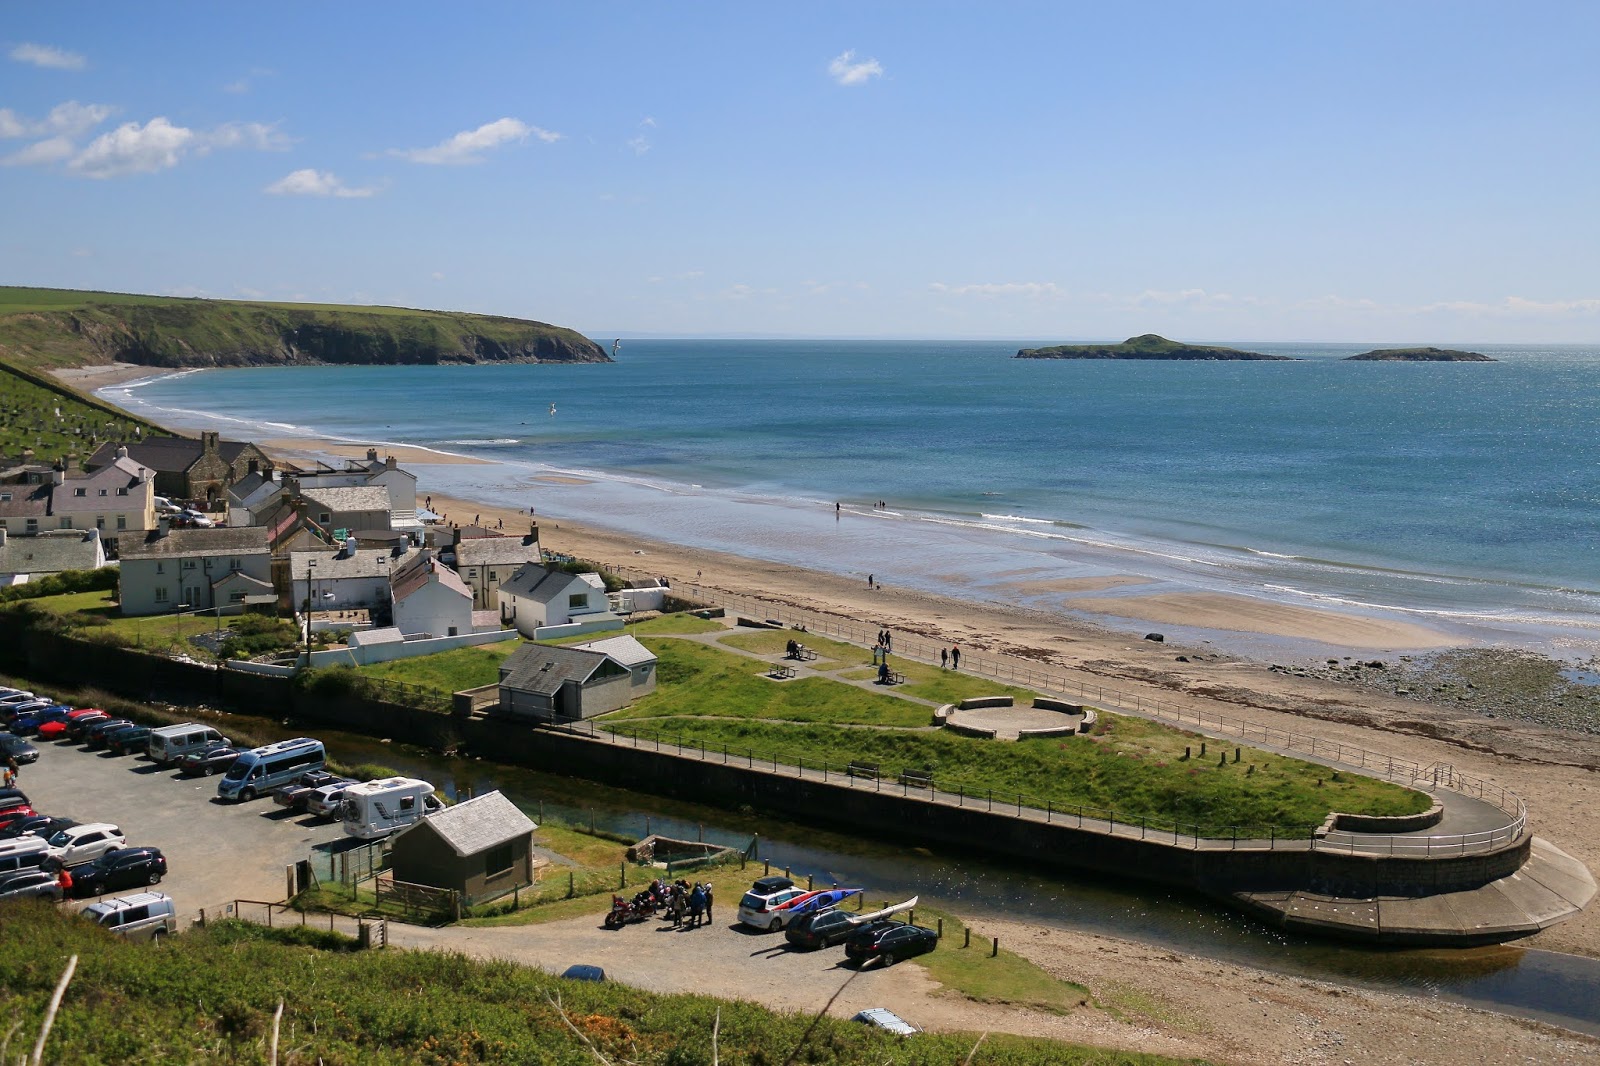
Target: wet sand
column 1215, row 610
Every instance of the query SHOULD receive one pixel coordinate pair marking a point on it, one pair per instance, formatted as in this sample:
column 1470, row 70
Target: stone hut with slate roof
column 542, row 682
column 481, row 848
column 187, row 468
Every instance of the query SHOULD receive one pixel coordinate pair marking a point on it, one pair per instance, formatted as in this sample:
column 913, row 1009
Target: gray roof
column 624, row 649
column 542, row 668
column 51, row 553
column 539, row 583
column 169, row 454
column 27, row 501
column 227, row 540
column 479, row 824
column 495, row 551
column 349, row 497
column 366, row 562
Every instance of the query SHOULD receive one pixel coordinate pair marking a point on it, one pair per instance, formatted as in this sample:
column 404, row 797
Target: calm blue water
column 1464, row 495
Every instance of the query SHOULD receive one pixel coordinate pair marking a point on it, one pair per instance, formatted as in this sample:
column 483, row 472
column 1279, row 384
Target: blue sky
column 1420, row 172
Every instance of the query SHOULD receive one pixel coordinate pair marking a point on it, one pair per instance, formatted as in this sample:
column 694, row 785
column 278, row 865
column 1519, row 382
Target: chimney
column 391, row 463
column 2, row 536
column 163, row 525
column 122, row 451
column 372, row 455
column 58, row 471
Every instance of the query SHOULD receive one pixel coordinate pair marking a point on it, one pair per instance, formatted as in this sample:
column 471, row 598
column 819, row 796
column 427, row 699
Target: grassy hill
column 209, row 996
column 1148, row 346
column 38, row 412
column 52, row 328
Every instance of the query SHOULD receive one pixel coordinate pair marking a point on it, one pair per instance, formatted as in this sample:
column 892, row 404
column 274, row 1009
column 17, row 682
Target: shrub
column 101, row 580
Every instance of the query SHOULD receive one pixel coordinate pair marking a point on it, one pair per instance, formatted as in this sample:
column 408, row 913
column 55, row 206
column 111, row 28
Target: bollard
column 702, row 834
column 941, row 928
column 1186, row 753
column 912, row 917
column 808, row 882
column 1202, row 749
column 786, row 872
column 995, row 951
column 571, row 886
column 1235, row 754
column 861, row 901
column 766, row 867
column 966, row 941
column 622, row 869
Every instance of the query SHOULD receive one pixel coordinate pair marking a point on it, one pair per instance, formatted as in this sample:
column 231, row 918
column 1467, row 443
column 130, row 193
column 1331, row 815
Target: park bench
column 781, row 672
column 917, row 778
column 896, row 678
column 805, row 654
column 863, row 769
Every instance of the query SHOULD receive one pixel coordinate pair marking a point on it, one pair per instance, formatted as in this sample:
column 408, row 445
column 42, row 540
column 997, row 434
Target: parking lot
column 216, row 852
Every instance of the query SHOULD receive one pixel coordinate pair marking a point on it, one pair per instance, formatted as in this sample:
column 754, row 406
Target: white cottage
column 538, row 598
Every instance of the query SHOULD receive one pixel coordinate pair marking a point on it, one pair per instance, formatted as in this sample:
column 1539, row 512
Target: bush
column 332, row 682
column 255, row 634
column 101, row 580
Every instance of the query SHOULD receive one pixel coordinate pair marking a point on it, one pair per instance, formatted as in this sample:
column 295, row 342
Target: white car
column 79, row 844
column 759, row 907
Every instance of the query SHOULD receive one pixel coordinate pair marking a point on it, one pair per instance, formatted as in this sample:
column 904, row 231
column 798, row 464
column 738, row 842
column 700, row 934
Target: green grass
column 209, row 995
column 1129, row 766
column 693, row 679
column 448, row 671
column 830, row 653
column 974, row 973
column 28, row 419
column 98, row 613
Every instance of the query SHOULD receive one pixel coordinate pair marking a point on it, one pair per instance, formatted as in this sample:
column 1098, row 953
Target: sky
column 1420, row 172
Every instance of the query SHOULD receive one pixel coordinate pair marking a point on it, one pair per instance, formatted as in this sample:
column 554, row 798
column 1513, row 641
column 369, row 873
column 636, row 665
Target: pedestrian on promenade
column 955, row 657
column 888, row 641
column 944, row 658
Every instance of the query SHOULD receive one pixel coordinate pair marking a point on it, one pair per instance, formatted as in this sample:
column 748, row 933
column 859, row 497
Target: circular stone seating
column 998, row 718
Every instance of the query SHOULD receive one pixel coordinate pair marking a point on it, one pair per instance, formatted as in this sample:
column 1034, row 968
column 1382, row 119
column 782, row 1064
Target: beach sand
column 303, row 448
column 89, row 378
column 1179, row 1004
column 1215, row 610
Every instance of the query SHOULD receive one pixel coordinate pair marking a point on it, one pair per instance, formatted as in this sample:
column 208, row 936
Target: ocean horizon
column 1459, row 495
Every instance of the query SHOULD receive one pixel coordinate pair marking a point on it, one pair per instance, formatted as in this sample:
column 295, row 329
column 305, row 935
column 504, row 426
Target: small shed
column 546, row 682
column 481, row 848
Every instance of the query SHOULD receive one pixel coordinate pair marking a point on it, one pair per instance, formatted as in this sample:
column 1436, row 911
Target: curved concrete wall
column 969, row 731
column 976, row 702
column 1399, row 823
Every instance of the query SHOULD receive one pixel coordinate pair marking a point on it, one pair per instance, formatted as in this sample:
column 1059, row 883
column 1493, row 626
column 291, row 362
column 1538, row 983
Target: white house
column 484, row 562
column 343, row 580
column 118, row 499
column 194, row 569
column 537, row 598
column 430, row 598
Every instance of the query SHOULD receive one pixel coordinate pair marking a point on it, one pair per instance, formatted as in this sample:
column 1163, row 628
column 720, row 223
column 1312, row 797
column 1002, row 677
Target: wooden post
column 966, row 941
column 995, row 951
column 622, row 871
column 941, row 928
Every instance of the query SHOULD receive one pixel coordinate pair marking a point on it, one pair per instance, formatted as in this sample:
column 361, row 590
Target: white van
column 140, row 916
column 260, row 770
column 375, row 809
column 22, row 853
column 171, row 741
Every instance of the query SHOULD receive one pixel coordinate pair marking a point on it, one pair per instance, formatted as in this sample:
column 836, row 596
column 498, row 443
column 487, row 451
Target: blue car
column 23, row 724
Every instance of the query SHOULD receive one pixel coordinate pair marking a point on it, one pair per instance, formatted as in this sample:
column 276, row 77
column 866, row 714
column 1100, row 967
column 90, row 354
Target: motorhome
column 375, row 809
column 171, row 741
column 260, row 770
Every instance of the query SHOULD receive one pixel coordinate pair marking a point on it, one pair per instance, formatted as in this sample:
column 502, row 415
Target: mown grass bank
column 210, row 994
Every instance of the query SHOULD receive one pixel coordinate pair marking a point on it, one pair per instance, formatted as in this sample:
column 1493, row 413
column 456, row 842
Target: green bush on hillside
column 101, row 580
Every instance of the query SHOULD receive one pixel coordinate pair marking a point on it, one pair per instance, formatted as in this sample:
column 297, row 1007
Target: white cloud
column 648, row 121
column 1030, row 289
column 258, row 135
column 42, row 153
column 66, row 119
column 42, row 55
column 309, row 182
column 437, row 275
column 469, row 145
column 1513, row 305
column 639, row 144
column 134, row 149
column 847, row 71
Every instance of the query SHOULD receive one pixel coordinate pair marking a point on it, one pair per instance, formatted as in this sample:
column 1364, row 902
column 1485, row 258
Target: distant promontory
column 52, row 328
column 1421, row 355
column 1148, row 346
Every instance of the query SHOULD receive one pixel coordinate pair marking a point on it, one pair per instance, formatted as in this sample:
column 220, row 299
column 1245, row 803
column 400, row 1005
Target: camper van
column 260, row 770
column 375, row 809
column 171, row 741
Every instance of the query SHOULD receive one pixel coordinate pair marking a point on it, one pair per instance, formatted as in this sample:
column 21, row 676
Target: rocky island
column 53, row 328
column 1148, row 346
column 1421, row 355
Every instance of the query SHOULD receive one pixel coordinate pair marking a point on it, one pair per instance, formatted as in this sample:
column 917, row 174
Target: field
column 209, row 995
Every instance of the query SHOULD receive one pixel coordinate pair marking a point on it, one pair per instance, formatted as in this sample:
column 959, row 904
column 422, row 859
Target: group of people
column 8, row 776
column 950, row 657
column 689, row 904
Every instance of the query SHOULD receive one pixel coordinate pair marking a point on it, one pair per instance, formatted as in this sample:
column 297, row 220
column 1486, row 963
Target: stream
column 1547, row 986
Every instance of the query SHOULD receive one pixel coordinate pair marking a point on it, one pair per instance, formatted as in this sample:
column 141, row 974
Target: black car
column 13, row 747
column 94, row 736
column 214, row 759
column 891, row 942
column 29, row 884
column 124, row 741
column 40, row 825
column 78, row 728
column 13, row 797
column 121, row 868
column 823, row 929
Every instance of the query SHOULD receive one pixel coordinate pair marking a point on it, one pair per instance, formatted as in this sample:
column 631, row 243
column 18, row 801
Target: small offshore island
column 1148, row 346
column 1420, row 355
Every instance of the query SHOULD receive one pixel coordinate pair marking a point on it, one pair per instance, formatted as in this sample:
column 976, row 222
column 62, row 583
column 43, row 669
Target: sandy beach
column 89, row 378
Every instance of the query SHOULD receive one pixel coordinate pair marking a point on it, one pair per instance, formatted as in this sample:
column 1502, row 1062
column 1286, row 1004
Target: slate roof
column 542, row 668
column 495, row 551
column 119, row 473
column 366, row 562
column 227, row 540
column 414, row 574
column 481, row 823
column 169, row 455
column 538, row 583
column 27, row 501
column 51, row 553
column 349, row 497
column 624, row 649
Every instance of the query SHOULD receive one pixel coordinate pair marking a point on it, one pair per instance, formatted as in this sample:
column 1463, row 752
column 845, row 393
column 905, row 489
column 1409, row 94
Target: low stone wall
column 970, row 731
column 1398, row 823
column 941, row 715
column 1045, row 703
column 977, row 702
column 1053, row 731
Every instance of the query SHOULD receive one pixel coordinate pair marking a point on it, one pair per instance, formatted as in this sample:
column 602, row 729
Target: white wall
column 382, row 653
column 433, row 609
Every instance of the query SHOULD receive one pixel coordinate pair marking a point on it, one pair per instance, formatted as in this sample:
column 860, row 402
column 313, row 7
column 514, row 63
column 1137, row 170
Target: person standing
column 707, row 888
column 869, row 581
column 944, row 658
column 955, row 657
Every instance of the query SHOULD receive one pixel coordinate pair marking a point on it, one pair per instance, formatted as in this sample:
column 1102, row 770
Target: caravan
column 375, row 809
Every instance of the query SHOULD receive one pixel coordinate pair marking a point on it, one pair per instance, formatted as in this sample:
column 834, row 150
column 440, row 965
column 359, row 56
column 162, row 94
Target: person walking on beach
column 869, row 581
column 944, row 658
column 955, row 657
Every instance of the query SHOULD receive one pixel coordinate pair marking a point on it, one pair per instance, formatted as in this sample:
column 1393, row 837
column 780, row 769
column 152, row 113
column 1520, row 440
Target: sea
column 1463, row 496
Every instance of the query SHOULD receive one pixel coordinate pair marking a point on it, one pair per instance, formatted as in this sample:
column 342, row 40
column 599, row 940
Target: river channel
column 1548, row 986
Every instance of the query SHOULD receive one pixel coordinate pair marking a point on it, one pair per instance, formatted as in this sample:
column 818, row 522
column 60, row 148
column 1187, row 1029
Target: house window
column 234, row 566
column 66, row 523
column 497, row 861
column 99, row 521
column 188, row 564
column 472, row 571
column 326, row 517
column 236, row 597
column 493, row 576
column 161, row 568
column 5, row 497
column 122, row 521
column 161, row 595
column 577, row 601
column 33, row 525
column 120, row 492
column 80, row 492
column 3, row 523
column 102, row 492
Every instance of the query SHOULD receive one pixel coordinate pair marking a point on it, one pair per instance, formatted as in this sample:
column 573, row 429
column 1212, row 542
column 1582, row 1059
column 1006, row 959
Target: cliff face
column 1148, row 346
column 207, row 333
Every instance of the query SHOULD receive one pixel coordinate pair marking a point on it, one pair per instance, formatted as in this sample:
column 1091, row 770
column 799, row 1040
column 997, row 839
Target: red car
column 57, row 730
column 12, row 815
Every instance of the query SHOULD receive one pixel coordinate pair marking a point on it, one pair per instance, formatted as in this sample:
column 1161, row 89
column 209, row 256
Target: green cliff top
column 1148, row 346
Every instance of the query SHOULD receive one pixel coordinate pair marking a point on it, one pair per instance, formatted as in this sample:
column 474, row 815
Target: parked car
column 325, row 802
column 759, row 906
column 891, row 942
column 36, row 825
column 17, row 711
column 13, row 747
column 31, row 884
column 884, row 1018
column 24, row 724
column 125, row 741
column 106, row 736
column 295, row 794
column 13, row 815
column 120, row 868
column 15, row 697
column 825, row 929
column 12, row 797
column 207, row 761
column 141, row 916
column 93, row 732
column 584, row 972
column 78, row 728
column 85, row 843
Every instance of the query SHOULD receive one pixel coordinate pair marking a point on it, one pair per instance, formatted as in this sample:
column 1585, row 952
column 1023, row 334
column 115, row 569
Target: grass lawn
column 830, row 653
column 943, row 686
column 694, row 679
column 153, row 633
column 1130, row 766
column 448, row 671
